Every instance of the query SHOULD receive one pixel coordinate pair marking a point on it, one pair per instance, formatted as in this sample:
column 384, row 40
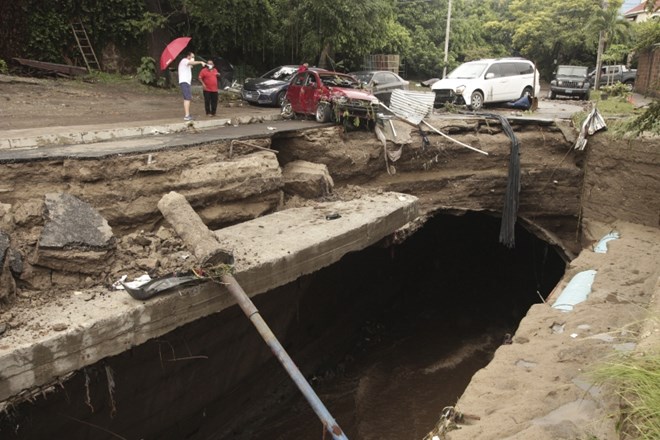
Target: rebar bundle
column 511, row 197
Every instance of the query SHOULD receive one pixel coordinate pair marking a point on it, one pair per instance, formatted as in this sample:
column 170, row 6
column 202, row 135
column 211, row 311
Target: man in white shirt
column 185, row 81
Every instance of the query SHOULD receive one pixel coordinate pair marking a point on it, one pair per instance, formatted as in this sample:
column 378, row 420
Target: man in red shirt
column 208, row 76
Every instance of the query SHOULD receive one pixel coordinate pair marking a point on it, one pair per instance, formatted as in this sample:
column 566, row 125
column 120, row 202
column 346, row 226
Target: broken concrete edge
column 113, row 322
column 85, row 136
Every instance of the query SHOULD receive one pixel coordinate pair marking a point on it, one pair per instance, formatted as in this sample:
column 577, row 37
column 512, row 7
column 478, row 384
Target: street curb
column 53, row 136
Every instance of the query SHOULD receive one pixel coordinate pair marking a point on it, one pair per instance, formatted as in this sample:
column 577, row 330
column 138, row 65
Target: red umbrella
column 172, row 50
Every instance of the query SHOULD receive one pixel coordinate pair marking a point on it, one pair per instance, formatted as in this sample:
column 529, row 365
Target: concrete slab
column 270, row 251
column 155, row 139
column 84, row 134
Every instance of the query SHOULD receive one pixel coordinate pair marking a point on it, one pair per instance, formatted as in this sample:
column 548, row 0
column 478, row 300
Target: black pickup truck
column 570, row 81
column 615, row 74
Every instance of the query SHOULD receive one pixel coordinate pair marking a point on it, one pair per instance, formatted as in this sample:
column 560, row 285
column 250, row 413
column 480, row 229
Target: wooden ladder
column 85, row 46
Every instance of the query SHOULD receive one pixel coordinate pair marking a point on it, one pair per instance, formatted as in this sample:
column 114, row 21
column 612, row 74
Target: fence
column 382, row 62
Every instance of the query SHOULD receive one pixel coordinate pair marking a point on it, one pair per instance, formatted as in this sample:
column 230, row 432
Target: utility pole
column 444, row 68
column 599, row 53
column 599, row 59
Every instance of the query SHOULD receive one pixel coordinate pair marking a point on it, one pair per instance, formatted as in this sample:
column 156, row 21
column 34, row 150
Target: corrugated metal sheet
column 412, row 106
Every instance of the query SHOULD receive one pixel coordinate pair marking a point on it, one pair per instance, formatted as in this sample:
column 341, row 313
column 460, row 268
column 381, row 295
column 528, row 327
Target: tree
column 611, row 28
column 550, row 32
column 646, row 34
column 474, row 33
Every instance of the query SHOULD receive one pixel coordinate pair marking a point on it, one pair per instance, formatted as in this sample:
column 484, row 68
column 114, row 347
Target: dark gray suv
column 570, row 81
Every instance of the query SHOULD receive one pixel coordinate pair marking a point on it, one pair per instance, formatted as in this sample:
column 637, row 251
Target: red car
column 329, row 96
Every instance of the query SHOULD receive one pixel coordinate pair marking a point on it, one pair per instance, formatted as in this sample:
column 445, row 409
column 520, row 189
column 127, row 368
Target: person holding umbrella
column 185, row 81
column 209, row 79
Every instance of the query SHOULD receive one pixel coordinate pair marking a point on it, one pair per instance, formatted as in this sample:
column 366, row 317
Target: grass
column 636, row 380
column 613, row 105
column 623, row 119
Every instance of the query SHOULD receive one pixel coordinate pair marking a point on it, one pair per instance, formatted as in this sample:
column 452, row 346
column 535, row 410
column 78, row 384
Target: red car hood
column 354, row 94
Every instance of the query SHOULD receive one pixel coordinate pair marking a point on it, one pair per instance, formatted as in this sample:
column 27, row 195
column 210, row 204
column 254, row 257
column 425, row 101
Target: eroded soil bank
column 620, row 184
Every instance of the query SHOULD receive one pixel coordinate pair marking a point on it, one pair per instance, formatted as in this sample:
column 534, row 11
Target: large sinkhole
column 387, row 337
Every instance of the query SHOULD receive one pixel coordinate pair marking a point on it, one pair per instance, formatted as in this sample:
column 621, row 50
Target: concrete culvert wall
column 387, row 336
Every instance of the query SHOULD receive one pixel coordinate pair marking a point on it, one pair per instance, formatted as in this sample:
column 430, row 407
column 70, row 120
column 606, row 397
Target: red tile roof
column 640, row 8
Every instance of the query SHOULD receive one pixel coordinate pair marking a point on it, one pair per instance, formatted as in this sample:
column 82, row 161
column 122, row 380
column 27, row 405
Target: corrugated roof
column 412, row 106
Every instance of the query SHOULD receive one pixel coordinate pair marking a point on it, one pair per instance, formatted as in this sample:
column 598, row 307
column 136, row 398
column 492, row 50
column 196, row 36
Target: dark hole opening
column 387, row 337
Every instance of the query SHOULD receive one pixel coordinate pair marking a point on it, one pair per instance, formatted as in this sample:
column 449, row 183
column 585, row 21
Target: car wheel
column 587, row 96
column 287, row 110
column 280, row 98
column 323, row 112
column 553, row 95
column 476, row 100
column 527, row 91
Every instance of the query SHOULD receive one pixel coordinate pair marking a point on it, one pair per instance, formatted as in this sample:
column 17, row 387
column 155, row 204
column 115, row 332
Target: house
column 639, row 14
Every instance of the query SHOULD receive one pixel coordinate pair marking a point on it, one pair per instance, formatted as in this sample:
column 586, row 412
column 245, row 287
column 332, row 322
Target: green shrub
column 648, row 121
column 617, row 89
column 3, row 66
column 146, row 73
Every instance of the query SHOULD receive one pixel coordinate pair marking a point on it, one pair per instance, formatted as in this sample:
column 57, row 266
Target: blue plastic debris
column 576, row 291
column 601, row 247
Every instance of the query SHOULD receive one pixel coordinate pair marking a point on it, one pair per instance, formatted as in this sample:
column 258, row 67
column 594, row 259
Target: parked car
column 614, row 74
column 486, row 81
column 570, row 81
column 329, row 96
column 381, row 83
column 270, row 88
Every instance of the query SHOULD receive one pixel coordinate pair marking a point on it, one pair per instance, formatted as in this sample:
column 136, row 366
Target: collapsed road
column 289, row 203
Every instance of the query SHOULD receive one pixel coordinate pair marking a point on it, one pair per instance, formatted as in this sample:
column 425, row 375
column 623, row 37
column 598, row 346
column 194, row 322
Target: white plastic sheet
column 576, row 291
column 601, row 246
column 139, row 281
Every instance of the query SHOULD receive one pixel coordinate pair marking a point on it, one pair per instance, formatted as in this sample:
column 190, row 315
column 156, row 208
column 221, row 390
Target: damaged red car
column 329, row 96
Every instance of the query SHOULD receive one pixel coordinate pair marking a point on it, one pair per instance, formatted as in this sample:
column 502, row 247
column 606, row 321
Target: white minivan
column 489, row 80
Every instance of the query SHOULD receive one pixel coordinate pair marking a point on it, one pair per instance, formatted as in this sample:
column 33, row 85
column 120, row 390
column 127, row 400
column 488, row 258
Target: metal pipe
column 252, row 313
column 452, row 139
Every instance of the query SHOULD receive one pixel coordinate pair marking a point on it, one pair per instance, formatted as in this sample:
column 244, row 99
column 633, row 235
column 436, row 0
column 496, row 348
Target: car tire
column 287, row 110
column 587, row 96
column 553, row 95
column 323, row 112
column 279, row 100
column 527, row 91
column 476, row 100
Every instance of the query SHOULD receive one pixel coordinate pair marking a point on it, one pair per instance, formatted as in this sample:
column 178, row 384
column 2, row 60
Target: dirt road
column 33, row 102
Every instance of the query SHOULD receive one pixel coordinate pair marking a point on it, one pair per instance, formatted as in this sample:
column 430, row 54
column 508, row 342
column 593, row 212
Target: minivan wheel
column 323, row 112
column 527, row 91
column 476, row 100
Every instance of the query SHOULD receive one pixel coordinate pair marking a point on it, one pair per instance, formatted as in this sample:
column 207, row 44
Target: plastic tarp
column 591, row 125
column 601, row 246
column 576, row 291
column 524, row 103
